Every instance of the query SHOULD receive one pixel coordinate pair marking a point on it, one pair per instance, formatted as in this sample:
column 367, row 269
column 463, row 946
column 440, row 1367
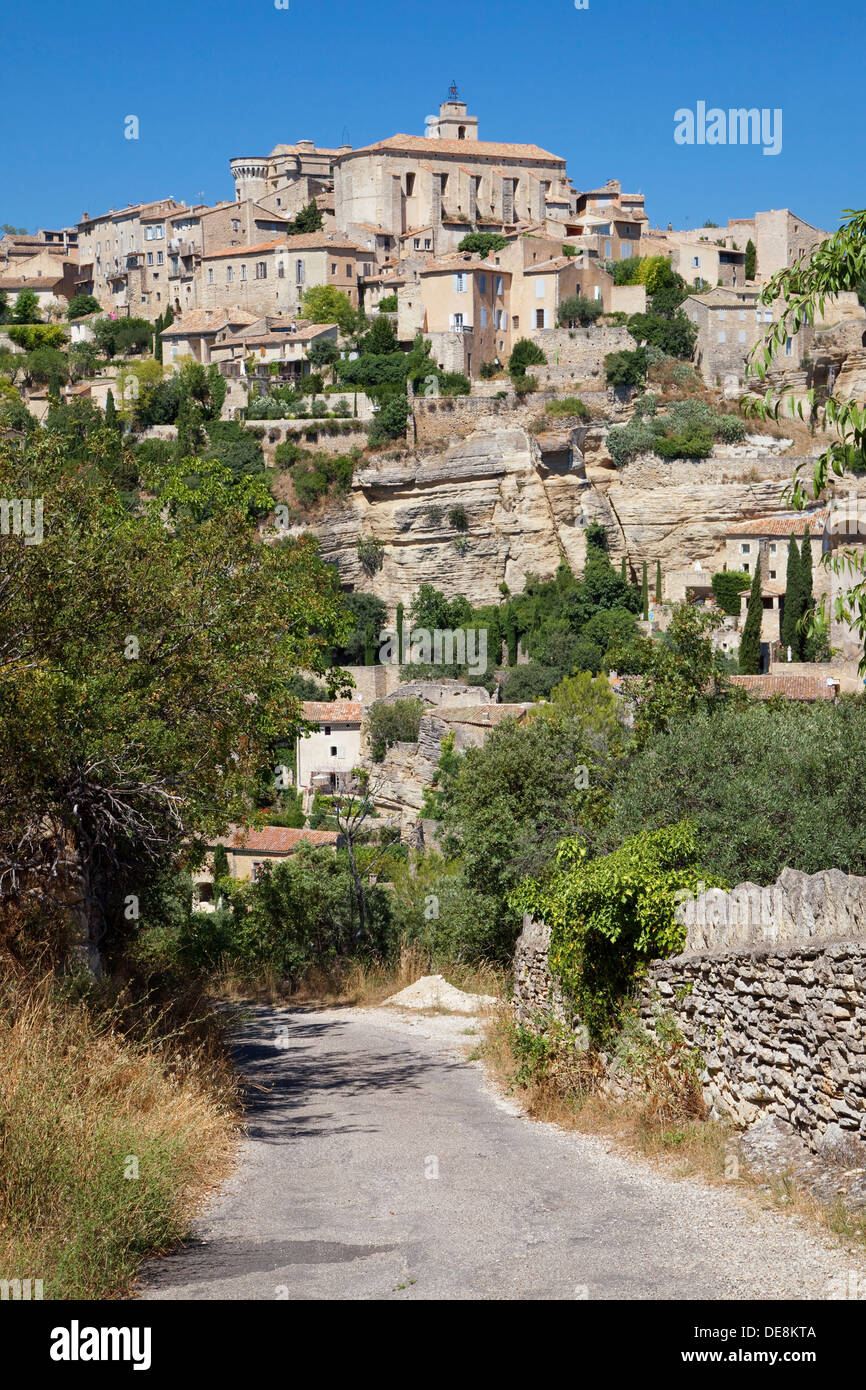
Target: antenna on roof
column 452, row 91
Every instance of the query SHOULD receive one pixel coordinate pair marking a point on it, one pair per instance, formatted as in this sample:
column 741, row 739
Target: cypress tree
column 644, row 594
column 658, row 581
column 750, row 642
column 751, row 260
column 793, row 600
column 157, row 341
column 807, row 597
column 110, row 411
column 400, row 611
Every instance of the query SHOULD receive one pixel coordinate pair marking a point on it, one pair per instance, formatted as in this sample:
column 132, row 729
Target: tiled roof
column 312, row 241
column 276, row 839
column 422, row 144
column 790, row 687
column 332, row 711
column 782, row 525
column 207, row 321
column 558, row 263
column 33, row 282
column 244, row 250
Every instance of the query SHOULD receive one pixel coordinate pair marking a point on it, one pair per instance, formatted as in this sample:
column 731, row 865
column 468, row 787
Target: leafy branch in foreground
column 836, row 266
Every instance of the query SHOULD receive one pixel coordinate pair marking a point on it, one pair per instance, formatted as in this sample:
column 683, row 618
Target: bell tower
column 454, row 123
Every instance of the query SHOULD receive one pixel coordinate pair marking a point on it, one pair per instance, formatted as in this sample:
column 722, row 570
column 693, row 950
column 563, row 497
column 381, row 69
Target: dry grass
column 115, row 1120
column 361, row 982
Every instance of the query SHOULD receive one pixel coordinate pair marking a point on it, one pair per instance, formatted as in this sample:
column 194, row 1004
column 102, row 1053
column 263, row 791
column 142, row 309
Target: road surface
column 379, row 1164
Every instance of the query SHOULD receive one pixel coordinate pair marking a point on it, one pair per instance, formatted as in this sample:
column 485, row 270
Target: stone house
column 195, row 333
column 729, row 323
column 271, row 278
column 112, row 257
column 288, row 178
column 445, row 183
column 272, row 341
column 326, row 756
column 249, row 851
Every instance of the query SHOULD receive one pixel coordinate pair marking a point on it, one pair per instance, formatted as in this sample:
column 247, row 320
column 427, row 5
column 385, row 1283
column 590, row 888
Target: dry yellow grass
column 361, row 982
column 114, row 1123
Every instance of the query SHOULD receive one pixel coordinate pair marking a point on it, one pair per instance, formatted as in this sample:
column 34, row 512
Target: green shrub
column 727, row 587
column 371, row 553
column 393, row 721
column 567, row 406
column 696, row 443
column 525, row 353
column 626, row 368
column 458, row 518
column 388, row 304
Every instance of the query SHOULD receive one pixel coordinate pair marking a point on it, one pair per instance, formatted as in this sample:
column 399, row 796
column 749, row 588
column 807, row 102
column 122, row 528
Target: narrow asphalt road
column 378, row 1164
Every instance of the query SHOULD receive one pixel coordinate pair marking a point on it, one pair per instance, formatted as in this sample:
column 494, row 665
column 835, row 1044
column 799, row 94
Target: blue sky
column 599, row 86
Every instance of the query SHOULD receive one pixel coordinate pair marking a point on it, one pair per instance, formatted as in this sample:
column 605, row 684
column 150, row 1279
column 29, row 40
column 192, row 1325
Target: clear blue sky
column 599, row 86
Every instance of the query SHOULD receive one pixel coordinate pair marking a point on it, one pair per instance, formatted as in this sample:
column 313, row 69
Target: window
column 210, row 275
column 608, row 250
column 261, row 270
column 349, row 268
column 499, row 284
column 482, row 284
column 417, row 243
column 483, row 315
column 696, row 262
column 150, row 258
column 427, row 243
column 299, row 272
column 368, row 268
column 236, row 226
column 229, row 275
column 539, row 287
column 768, row 316
column 281, row 271
column 742, row 316
column 745, row 567
column 789, row 346
column 772, row 574
column 459, row 281
column 721, row 313
column 410, row 185
column 457, row 321
column 327, row 728
column 539, row 318
column 625, row 253
column 741, row 336
column 243, row 272
column 333, row 751
column 746, row 549
column 722, row 338
column 159, row 258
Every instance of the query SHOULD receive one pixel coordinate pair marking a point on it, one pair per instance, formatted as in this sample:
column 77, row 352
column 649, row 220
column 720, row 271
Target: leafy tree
column 388, row 304
column 123, row 754
column 682, row 673
column 525, row 353
column 750, row 642
column 751, row 263
column 675, row 335
column 367, row 611
column 47, row 366
column 36, row 335
column 80, row 305
column 309, row 219
column 392, row 721
column 611, row 915
column 83, row 358
column 325, row 304
column 727, row 587
column 577, row 309
column 766, row 785
column 389, row 421
column 626, row 368
column 26, row 308
column 323, row 353
column 482, row 243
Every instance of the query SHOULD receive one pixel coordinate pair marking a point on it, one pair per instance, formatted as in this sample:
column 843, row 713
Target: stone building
column 440, row 186
column 288, row 178
column 271, row 278
column 326, row 756
column 113, row 252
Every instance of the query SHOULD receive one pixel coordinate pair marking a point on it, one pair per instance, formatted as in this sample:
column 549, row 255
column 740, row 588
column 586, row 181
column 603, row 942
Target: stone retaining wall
column 778, row 1013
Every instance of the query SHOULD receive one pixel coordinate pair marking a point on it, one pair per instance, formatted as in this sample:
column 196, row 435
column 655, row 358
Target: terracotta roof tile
column 422, row 144
column 790, row 687
column 782, row 525
column 276, row 839
column 333, row 711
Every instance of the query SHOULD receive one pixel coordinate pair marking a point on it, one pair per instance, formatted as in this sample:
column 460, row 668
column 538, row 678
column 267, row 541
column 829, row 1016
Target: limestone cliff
column 528, row 499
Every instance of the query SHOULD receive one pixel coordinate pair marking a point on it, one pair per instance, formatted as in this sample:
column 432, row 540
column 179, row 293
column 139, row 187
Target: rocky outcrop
column 528, row 500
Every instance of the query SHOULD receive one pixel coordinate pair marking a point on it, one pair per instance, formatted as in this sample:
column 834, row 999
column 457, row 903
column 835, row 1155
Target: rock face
column 523, row 511
column 528, row 499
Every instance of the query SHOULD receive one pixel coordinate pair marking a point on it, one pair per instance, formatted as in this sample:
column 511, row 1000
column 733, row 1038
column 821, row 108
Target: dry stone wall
column 772, row 992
